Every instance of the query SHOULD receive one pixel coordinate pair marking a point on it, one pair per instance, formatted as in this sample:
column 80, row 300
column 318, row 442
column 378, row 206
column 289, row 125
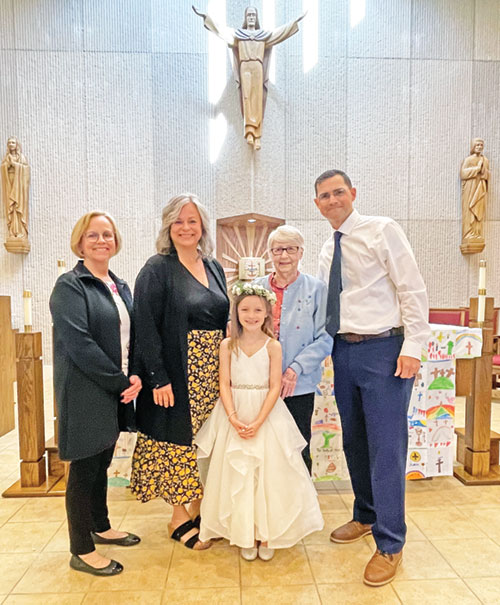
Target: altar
column 431, row 411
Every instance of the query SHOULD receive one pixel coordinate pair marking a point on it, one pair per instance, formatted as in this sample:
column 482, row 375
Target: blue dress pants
column 373, row 406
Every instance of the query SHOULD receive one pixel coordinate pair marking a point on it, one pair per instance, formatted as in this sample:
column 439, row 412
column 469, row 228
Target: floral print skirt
column 168, row 470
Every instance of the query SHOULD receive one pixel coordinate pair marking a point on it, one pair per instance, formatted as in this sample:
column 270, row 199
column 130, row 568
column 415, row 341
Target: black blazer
column 161, row 328
column 87, row 362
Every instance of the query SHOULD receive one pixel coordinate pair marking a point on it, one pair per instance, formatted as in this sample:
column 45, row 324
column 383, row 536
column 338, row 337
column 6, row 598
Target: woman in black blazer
column 181, row 309
column 92, row 316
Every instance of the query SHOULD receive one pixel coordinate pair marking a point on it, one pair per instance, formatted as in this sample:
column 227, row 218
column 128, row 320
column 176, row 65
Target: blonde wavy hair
column 83, row 224
column 170, row 214
column 237, row 328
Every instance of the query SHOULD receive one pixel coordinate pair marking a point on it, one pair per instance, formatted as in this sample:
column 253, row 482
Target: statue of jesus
column 251, row 47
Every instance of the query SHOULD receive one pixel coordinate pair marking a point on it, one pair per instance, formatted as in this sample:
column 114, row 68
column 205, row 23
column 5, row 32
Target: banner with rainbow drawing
column 431, row 413
column 328, row 460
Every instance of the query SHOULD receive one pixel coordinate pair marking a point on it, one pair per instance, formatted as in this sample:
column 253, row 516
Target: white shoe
column 249, row 554
column 266, row 554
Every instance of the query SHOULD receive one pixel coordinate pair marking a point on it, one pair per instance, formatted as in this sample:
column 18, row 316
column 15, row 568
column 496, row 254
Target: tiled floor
column 452, row 554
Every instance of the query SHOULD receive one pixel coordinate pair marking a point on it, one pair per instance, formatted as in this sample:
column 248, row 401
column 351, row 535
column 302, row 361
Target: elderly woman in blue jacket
column 299, row 324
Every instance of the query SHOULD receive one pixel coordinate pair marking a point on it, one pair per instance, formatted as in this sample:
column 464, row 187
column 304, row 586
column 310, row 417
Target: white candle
column 481, row 304
column 28, row 314
column 482, row 275
column 61, row 267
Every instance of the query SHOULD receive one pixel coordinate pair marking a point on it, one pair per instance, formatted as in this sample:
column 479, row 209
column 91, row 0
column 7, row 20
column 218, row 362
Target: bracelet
column 229, row 415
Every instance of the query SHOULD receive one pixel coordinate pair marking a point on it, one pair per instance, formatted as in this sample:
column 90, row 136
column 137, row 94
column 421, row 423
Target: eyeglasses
column 338, row 193
column 288, row 249
column 93, row 237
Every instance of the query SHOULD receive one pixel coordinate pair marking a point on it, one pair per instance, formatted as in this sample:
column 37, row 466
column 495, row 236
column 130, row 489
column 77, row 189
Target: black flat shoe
column 110, row 570
column 128, row 540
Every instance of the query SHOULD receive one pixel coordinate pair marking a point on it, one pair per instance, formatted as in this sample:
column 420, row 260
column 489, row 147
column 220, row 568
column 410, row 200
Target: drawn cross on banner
column 435, row 373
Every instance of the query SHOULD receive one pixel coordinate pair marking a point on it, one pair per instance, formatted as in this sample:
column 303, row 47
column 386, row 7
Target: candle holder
column 477, row 444
column 35, row 454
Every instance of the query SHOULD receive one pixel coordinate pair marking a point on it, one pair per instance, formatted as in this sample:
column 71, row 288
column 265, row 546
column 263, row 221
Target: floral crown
column 240, row 288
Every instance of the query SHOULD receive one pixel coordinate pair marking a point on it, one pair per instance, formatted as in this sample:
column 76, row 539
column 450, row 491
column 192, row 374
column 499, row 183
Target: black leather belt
column 350, row 337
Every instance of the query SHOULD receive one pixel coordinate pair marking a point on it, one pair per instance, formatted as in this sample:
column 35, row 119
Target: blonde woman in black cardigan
column 91, row 312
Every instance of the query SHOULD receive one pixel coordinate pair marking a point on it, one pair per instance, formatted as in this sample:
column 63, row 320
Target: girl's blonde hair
column 170, row 214
column 83, row 224
column 237, row 328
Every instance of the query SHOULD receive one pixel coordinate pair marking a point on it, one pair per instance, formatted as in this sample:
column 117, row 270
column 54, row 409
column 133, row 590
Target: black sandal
column 182, row 530
column 197, row 523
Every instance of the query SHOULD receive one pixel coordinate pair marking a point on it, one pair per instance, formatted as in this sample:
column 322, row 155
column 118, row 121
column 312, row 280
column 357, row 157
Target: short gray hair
column 285, row 233
column 170, row 214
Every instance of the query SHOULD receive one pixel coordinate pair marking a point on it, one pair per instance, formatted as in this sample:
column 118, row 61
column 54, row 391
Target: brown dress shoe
column 382, row 568
column 350, row 532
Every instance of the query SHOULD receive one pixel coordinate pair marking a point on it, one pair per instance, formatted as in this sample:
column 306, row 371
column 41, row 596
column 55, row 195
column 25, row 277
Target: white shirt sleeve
column 410, row 289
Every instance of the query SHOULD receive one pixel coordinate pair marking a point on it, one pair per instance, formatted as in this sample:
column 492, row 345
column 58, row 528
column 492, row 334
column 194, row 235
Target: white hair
column 285, row 234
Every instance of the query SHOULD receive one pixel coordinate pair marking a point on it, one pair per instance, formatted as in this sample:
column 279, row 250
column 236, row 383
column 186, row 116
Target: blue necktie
column 334, row 289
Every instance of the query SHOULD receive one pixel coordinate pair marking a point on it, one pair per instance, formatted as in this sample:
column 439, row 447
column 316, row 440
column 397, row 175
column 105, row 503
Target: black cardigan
column 87, row 362
column 161, row 345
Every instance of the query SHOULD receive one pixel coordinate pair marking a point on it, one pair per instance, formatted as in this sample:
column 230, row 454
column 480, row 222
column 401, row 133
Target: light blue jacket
column 303, row 337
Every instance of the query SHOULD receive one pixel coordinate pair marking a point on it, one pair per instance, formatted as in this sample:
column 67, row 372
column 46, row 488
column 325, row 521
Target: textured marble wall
column 110, row 101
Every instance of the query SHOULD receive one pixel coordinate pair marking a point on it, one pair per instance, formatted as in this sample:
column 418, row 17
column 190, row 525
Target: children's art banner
column 121, row 465
column 328, row 461
column 431, row 413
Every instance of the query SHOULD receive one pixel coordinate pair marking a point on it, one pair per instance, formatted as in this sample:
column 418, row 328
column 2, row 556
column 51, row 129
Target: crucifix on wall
column 251, row 48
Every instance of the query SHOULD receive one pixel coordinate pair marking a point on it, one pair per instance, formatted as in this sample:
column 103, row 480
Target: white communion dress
column 255, row 488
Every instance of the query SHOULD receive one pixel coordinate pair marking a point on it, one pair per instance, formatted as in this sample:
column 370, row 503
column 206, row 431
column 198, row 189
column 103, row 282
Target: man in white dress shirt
column 377, row 313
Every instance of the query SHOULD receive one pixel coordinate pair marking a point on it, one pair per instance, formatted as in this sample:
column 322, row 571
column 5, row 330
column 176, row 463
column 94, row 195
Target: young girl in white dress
column 258, row 492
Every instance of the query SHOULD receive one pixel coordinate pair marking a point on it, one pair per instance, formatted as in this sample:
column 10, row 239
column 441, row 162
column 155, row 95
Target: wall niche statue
column 474, row 172
column 15, row 196
column 251, row 48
